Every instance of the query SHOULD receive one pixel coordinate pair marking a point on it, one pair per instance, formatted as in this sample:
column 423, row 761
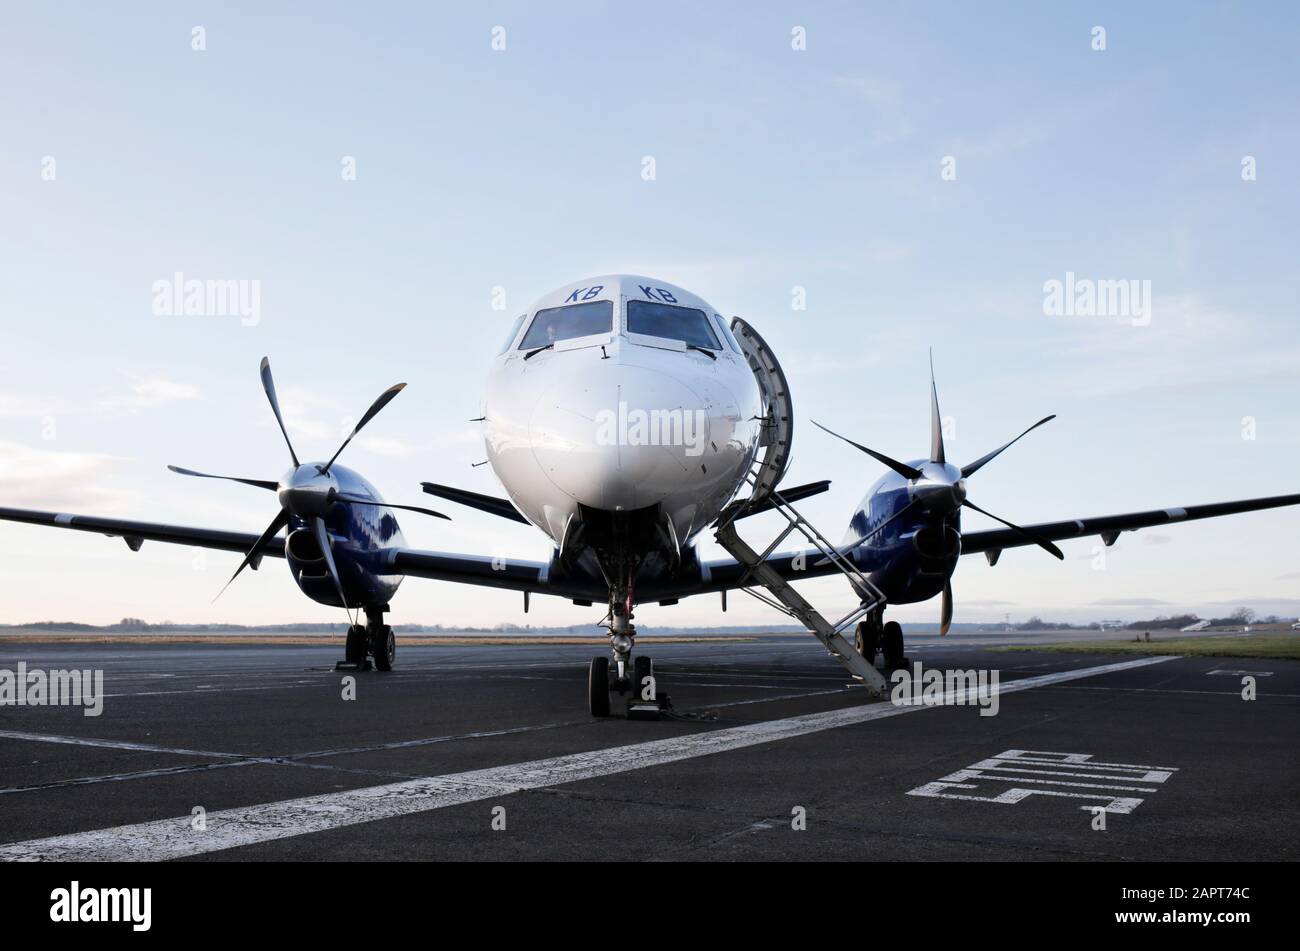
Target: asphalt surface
column 1186, row 768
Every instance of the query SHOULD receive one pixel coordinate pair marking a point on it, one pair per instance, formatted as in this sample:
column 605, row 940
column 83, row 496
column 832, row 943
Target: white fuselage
column 620, row 421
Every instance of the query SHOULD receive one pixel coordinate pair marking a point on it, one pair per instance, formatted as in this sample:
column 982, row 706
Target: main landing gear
column 632, row 678
column 374, row 640
column 877, row 636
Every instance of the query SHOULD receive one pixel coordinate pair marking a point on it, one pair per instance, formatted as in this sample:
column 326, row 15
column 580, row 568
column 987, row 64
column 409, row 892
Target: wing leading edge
column 1109, row 527
column 136, row 533
column 728, row 573
column 479, row 570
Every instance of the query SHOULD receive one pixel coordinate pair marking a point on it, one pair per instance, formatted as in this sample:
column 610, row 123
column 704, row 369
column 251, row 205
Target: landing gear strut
column 634, row 678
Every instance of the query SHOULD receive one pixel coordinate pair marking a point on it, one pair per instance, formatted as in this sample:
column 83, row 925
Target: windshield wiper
column 532, row 353
column 704, row 350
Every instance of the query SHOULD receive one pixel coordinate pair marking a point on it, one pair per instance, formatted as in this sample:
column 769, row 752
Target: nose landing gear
column 635, row 681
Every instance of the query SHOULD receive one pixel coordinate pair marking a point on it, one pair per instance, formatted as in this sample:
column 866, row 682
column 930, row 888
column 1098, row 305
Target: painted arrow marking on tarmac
column 248, row 825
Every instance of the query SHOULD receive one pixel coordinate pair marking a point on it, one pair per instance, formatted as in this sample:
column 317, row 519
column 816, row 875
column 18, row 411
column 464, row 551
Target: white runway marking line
column 249, row 825
column 1032, row 766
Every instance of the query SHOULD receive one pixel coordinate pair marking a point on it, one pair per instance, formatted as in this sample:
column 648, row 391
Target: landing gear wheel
column 642, row 671
column 354, row 651
column 891, row 644
column 598, row 687
column 867, row 641
column 383, row 646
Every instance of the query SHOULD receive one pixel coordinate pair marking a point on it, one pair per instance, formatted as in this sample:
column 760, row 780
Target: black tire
column 383, row 647
column 642, row 668
column 357, row 646
column 867, row 641
column 598, row 687
column 891, row 644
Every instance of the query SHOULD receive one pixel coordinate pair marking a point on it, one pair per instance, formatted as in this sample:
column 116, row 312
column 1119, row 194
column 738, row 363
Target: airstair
column 768, row 469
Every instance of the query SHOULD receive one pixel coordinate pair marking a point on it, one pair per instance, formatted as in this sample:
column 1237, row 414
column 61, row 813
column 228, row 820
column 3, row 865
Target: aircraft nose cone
column 624, row 440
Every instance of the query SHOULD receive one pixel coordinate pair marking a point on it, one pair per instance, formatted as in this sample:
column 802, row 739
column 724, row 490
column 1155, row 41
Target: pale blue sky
column 775, row 169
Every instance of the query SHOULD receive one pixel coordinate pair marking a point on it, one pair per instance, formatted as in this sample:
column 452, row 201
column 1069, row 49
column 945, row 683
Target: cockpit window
column 565, row 323
column 514, row 330
column 686, row 324
column 726, row 332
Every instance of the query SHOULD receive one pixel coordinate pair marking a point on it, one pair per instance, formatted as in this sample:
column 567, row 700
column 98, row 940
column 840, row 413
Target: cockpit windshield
column 686, row 324
column 565, row 323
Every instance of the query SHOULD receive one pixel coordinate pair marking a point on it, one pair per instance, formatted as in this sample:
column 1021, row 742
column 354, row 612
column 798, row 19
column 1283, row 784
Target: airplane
column 623, row 416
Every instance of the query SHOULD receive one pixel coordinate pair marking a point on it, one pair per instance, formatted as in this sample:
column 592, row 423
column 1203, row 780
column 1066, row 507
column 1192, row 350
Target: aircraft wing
column 1108, row 527
column 136, row 533
column 793, row 566
column 479, row 570
column 466, row 569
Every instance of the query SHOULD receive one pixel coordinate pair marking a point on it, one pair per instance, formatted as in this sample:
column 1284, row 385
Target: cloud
column 1190, row 344
column 50, row 479
column 147, row 393
column 1148, row 539
column 385, row 446
column 17, row 405
column 1129, row 602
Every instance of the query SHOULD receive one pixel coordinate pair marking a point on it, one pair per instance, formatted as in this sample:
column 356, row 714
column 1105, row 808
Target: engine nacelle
column 360, row 538
column 938, row 547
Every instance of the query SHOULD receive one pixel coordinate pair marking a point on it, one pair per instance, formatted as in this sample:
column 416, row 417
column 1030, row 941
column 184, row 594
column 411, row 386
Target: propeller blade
column 978, row 464
column 945, row 609
column 1038, row 540
column 384, row 399
column 322, row 539
column 845, row 549
column 268, row 384
column 259, row 483
column 280, row 521
column 936, row 422
column 407, row 508
column 901, row 468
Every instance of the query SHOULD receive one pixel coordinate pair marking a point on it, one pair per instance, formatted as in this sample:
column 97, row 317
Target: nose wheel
column 644, row 702
column 598, row 687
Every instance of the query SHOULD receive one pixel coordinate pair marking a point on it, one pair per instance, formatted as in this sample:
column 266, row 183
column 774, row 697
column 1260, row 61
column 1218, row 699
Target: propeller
column 906, row 471
column 268, row 384
column 259, row 483
column 973, row 467
column 307, row 491
column 940, row 487
column 384, row 399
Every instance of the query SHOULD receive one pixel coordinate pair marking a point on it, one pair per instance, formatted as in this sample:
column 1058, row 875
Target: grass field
column 1278, row 646
column 413, row 640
